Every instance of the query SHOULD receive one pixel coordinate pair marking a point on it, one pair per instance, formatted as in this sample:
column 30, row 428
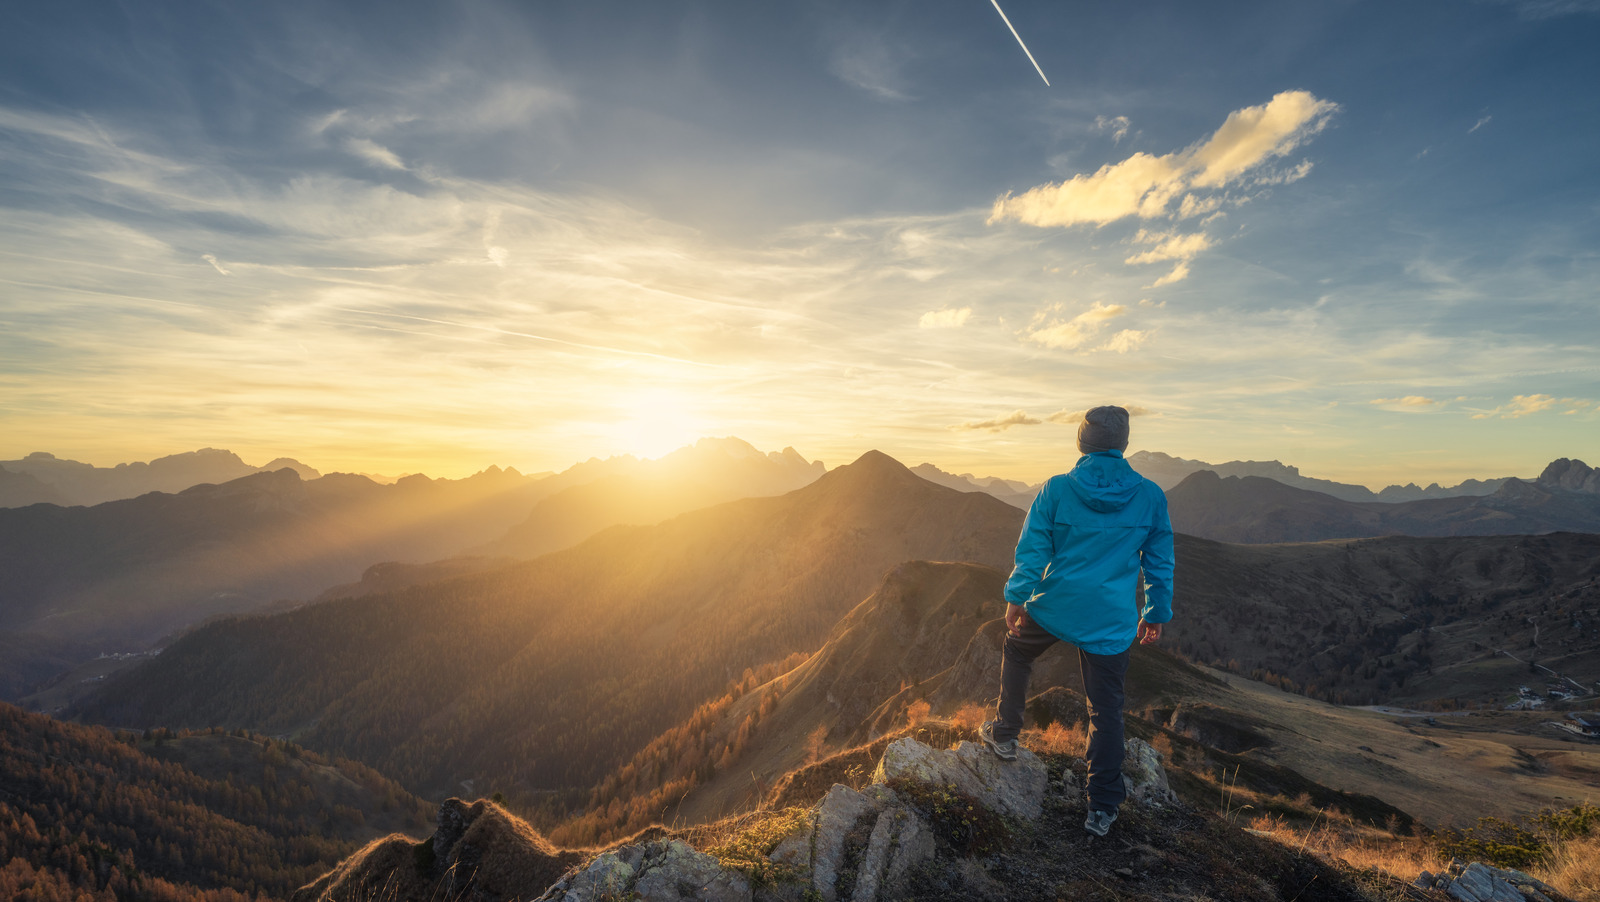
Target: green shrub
column 1520, row 844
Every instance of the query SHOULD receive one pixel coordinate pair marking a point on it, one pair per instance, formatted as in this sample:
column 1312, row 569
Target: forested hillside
column 545, row 676
column 86, row 813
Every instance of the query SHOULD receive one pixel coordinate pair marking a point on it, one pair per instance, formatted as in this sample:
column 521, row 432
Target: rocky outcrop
column 1479, row 882
column 834, row 868
column 1144, row 777
column 854, row 845
column 668, row 870
column 480, row 853
column 1009, row 788
column 859, row 846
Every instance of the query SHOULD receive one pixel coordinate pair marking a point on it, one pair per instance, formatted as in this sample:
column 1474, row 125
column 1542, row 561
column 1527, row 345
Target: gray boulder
column 898, row 840
column 1010, row 788
column 1479, row 882
column 1144, row 777
column 665, row 870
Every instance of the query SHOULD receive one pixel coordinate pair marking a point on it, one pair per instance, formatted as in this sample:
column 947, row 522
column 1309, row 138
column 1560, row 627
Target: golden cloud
column 1144, row 185
column 999, row 424
column 945, row 319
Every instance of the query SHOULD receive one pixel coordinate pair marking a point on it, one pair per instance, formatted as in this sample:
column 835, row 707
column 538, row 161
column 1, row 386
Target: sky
column 1362, row 238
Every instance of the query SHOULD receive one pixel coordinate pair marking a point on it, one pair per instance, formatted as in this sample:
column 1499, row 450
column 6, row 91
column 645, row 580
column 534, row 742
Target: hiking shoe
column 1005, row 751
column 1098, row 822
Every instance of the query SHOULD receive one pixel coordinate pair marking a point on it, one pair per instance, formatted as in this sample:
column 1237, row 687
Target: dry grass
column 1574, row 869
column 1056, row 739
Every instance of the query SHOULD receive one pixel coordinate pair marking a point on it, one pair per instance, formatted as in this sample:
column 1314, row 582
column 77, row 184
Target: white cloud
column 999, row 424
column 872, row 64
column 374, row 153
column 1407, row 404
column 1083, row 332
column 1286, row 176
column 1125, row 341
column 1519, row 406
column 1144, row 185
column 1193, row 206
column 1078, row 331
column 1116, row 125
column 1178, row 274
column 1170, row 247
column 212, row 259
column 945, row 319
column 1073, row 416
column 1253, row 135
column 1479, row 124
column 1549, row 9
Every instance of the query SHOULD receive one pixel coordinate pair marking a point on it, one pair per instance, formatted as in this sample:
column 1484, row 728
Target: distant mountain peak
column 1572, row 475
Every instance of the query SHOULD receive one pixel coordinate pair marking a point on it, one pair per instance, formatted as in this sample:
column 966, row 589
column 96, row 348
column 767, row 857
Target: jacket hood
column 1103, row 481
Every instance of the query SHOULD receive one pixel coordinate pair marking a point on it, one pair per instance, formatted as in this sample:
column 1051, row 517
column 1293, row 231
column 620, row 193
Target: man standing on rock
column 1088, row 535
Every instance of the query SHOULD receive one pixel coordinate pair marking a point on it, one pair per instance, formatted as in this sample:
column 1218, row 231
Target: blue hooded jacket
column 1089, row 533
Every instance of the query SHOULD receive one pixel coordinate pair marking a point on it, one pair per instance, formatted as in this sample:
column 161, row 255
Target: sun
column 656, row 422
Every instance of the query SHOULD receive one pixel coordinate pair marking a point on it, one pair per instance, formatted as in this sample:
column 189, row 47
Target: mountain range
column 538, row 679
column 118, row 576
column 1565, row 497
column 1168, row 471
column 755, row 651
column 41, row 477
column 544, row 675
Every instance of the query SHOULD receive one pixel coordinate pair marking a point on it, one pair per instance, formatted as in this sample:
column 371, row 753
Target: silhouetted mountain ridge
column 1168, row 472
column 709, row 472
column 544, row 675
column 71, row 482
column 1255, row 509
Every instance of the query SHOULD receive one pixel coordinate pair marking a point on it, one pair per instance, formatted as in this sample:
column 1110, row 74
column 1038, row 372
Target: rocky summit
column 933, row 824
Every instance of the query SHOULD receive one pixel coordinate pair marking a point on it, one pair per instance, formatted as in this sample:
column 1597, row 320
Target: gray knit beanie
column 1103, row 429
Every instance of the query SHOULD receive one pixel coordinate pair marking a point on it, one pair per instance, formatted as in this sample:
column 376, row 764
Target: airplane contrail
column 1019, row 41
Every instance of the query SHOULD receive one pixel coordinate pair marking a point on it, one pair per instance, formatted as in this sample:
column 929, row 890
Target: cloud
column 1479, row 124
column 1284, row 177
column 1520, row 406
column 1550, row 9
column 1178, row 274
column 1169, row 246
column 870, row 63
column 1073, row 416
column 1125, row 341
column 1078, row 331
column 945, row 319
column 374, row 153
column 212, row 259
column 999, row 424
column 1144, row 185
column 1116, row 125
column 1407, row 404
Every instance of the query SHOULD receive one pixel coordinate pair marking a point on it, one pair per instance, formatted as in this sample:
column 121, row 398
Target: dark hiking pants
column 1102, row 684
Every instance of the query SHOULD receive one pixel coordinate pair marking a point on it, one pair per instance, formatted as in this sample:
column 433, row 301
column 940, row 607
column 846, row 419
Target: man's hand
column 1016, row 615
column 1149, row 633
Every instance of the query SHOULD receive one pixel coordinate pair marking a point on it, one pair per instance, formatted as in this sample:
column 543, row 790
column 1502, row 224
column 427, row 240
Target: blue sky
column 1356, row 237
